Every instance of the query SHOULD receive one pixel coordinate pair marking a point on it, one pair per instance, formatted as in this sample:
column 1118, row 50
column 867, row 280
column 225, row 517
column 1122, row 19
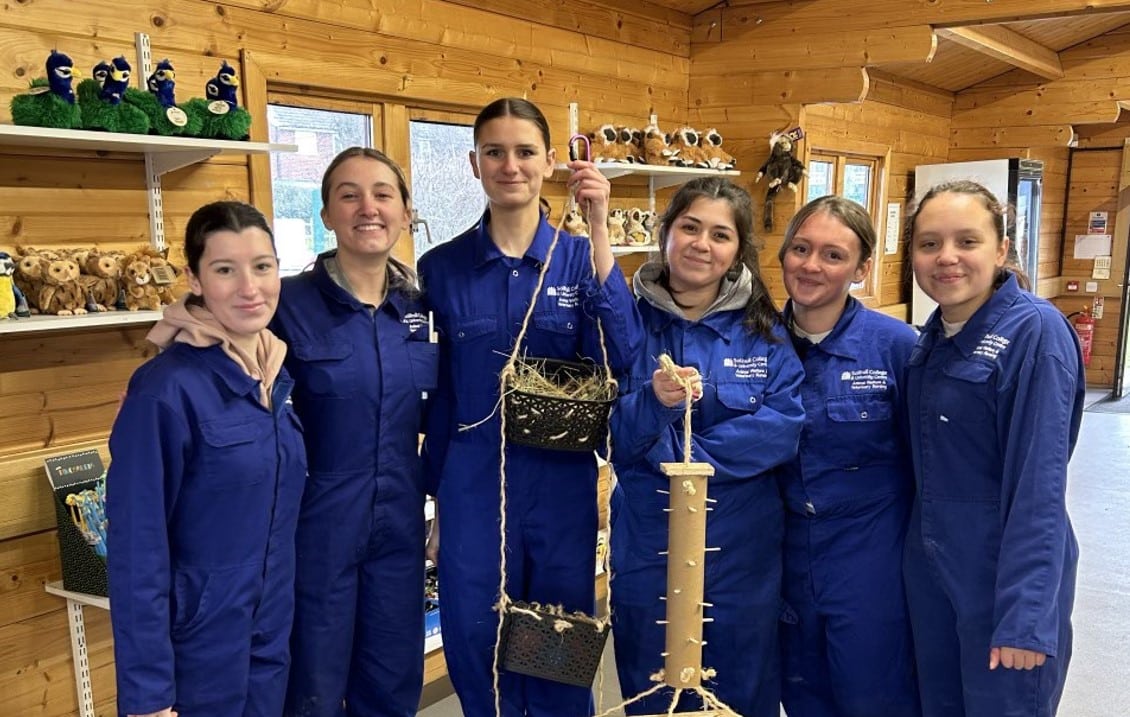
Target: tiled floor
column 1098, row 683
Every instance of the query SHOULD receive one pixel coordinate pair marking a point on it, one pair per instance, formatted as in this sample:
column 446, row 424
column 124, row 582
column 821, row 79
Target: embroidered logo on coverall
column 991, row 346
column 866, row 379
column 567, row 296
column 415, row 321
column 748, row 366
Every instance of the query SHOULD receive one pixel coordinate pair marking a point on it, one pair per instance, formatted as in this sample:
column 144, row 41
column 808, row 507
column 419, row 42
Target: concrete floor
column 1098, row 498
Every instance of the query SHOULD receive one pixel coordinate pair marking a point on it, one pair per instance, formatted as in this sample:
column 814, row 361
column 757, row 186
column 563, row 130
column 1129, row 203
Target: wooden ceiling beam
column 1000, row 43
column 766, row 21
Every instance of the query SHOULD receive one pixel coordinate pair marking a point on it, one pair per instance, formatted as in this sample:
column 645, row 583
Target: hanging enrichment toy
column 564, row 406
column 686, row 550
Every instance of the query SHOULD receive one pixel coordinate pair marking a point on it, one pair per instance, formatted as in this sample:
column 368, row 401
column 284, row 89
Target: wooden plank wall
column 914, row 124
column 1018, row 115
column 60, row 390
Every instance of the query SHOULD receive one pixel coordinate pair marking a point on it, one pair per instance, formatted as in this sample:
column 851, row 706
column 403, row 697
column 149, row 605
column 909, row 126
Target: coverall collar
column 485, row 250
column 396, row 300
column 983, row 320
column 840, row 342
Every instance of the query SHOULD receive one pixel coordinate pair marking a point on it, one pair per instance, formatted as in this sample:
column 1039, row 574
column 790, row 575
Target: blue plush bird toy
column 13, row 304
column 50, row 101
column 101, row 99
column 115, row 84
column 160, row 105
column 223, row 117
column 161, row 83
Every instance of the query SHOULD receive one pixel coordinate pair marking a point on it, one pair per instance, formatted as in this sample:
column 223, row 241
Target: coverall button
column 753, row 399
column 461, row 334
column 569, row 325
column 514, row 273
column 863, row 414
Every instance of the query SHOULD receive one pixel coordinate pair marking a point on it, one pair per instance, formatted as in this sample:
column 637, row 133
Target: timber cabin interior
column 887, row 85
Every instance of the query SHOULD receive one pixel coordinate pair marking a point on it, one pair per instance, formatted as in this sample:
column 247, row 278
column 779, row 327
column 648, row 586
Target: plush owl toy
column 223, row 117
column 50, row 100
column 160, row 106
column 106, row 111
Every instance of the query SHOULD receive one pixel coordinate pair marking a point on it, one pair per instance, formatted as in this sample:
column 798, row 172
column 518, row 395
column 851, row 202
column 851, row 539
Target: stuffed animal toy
column 636, row 232
column 29, row 275
column 783, row 170
column 223, row 117
column 161, row 272
column 575, row 223
column 716, row 157
column 106, row 111
column 100, row 281
column 90, row 88
column 61, row 292
column 655, row 148
column 606, row 145
column 7, row 287
column 139, row 290
column 650, row 219
column 160, row 106
column 632, row 139
column 617, row 235
column 50, row 100
column 685, row 142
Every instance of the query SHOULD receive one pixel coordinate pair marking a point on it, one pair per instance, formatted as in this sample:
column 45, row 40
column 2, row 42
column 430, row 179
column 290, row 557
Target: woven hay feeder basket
column 557, row 422
column 536, row 642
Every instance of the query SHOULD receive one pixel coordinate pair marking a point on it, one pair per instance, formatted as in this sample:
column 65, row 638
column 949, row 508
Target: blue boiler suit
column 990, row 555
column 359, row 378
column 747, row 422
column 845, row 637
column 202, row 501
column 480, row 297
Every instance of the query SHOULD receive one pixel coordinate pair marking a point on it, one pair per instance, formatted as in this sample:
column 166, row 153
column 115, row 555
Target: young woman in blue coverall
column 480, row 285
column 203, row 490
column 845, row 637
column 705, row 305
column 361, row 361
column 995, row 395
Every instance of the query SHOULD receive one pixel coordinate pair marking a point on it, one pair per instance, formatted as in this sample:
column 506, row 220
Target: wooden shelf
column 634, row 249
column 169, row 153
column 659, row 176
column 104, row 319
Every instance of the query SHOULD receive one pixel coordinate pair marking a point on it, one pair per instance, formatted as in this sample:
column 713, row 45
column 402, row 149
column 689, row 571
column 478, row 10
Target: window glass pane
column 820, row 177
column 445, row 194
column 296, row 178
column 857, row 183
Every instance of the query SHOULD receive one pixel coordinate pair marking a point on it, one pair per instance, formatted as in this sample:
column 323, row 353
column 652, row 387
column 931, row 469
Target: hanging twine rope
column 509, row 372
column 667, row 365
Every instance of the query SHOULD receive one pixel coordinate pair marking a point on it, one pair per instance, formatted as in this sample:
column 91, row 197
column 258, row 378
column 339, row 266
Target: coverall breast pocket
column 555, row 334
column 325, row 369
column 743, row 396
column 864, row 428
column 965, row 394
column 235, row 455
column 423, row 359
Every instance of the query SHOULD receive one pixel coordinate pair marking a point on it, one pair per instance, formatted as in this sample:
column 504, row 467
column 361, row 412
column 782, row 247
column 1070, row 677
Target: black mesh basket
column 565, row 424
column 84, row 571
column 540, row 645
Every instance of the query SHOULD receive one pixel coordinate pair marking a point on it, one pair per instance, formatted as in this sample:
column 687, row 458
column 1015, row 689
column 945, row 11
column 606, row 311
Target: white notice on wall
column 1097, row 223
column 891, row 240
column 1088, row 246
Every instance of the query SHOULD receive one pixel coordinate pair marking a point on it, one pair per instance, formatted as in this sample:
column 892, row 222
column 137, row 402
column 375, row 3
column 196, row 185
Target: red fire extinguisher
column 1085, row 329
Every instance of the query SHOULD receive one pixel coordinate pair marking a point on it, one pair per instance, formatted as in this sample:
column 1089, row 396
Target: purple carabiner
column 573, row 149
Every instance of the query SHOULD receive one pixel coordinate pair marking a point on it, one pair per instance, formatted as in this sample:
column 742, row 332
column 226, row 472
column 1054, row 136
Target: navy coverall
column 480, row 297
column 747, row 422
column 990, row 554
column 845, row 637
column 359, row 379
column 202, row 499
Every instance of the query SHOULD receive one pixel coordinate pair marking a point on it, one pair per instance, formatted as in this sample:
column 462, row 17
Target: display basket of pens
column 563, row 405
column 78, row 485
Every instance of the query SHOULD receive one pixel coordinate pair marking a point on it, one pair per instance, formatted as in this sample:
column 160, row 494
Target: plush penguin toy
column 50, row 101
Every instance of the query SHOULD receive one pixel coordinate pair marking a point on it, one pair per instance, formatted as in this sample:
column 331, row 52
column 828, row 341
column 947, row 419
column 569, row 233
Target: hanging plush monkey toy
column 783, row 170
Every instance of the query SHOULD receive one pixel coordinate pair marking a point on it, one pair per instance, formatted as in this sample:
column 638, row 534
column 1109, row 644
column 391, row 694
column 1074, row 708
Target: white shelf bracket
column 85, row 692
